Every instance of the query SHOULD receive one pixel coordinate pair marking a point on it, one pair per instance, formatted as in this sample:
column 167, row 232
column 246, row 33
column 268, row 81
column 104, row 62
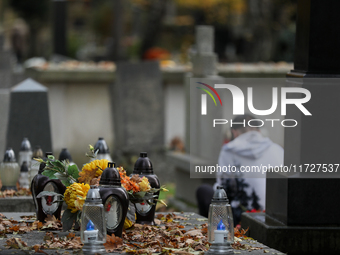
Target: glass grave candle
column 93, row 225
column 220, row 224
column 9, row 170
column 24, row 180
column 33, row 171
column 25, row 153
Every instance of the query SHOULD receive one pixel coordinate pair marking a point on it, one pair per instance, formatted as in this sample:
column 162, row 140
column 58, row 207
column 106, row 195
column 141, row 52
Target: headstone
column 5, row 84
column 29, row 116
column 138, row 105
column 4, row 109
column 302, row 213
column 138, row 110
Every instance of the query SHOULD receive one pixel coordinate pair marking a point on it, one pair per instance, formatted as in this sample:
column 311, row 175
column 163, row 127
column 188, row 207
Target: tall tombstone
column 29, row 116
column 5, row 84
column 302, row 210
column 138, row 110
column 4, row 108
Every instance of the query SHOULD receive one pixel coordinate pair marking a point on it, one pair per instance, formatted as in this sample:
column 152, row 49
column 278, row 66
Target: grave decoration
column 103, row 149
column 9, row 170
column 25, row 153
column 33, row 171
column 145, row 208
column 220, row 224
column 93, row 227
column 78, row 184
column 23, row 180
column 115, row 200
column 46, row 193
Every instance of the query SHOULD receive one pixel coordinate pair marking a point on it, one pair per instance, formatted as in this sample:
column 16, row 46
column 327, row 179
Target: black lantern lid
column 101, row 146
column 220, row 195
column 143, row 165
column 24, row 168
column 65, row 154
column 25, row 145
column 9, row 155
column 110, row 176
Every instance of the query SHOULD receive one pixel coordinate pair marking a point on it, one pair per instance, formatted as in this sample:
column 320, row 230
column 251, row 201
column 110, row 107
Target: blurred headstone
column 138, row 106
column 204, row 60
column 4, row 108
column 138, row 109
column 29, row 116
column 5, row 84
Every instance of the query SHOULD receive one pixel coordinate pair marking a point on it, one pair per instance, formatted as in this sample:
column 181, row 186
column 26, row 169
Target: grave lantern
column 220, row 224
column 25, row 153
column 46, row 204
column 103, row 149
column 37, row 153
column 115, row 200
column 145, row 210
column 9, row 170
column 24, row 180
column 66, row 155
column 93, row 226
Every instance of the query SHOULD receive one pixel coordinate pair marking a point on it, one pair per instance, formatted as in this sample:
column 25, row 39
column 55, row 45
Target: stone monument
column 138, row 107
column 29, row 116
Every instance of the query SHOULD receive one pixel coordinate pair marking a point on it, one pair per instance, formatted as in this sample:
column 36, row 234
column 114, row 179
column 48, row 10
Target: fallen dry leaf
column 112, row 242
column 241, row 233
column 16, row 243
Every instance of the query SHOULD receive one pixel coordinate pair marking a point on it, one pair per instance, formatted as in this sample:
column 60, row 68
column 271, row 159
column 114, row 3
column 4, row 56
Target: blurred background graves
column 77, row 50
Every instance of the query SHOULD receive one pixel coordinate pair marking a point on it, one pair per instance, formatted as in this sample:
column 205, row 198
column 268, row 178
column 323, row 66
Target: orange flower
column 126, row 181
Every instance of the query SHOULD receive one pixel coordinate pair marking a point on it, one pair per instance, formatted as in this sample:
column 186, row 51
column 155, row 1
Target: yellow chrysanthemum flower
column 91, row 170
column 144, row 185
column 75, row 196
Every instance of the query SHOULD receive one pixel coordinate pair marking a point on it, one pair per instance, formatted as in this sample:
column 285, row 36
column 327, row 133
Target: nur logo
column 204, row 97
column 239, row 99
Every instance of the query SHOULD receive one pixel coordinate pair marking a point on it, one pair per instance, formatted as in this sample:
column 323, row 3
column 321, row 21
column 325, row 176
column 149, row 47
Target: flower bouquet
column 78, row 183
column 139, row 188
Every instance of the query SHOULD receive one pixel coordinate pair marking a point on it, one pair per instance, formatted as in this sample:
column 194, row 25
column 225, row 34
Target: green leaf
column 66, row 182
column 50, row 157
column 68, row 219
column 140, row 194
column 62, row 177
column 48, row 193
column 59, row 165
column 50, row 174
column 73, row 171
